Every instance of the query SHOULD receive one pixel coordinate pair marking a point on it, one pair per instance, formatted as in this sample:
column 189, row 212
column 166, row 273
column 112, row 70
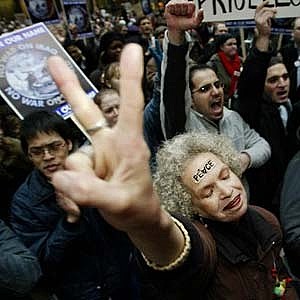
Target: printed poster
column 25, row 83
column 77, row 13
column 42, row 11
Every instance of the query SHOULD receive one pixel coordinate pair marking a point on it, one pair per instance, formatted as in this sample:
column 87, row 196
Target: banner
column 279, row 25
column 42, row 11
column 229, row 10
column 25, row 83
column 77, row 13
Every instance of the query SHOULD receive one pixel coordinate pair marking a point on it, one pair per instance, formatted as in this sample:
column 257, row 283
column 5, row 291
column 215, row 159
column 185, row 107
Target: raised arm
column 116, row 177
column 176, row 99
column 255, row 67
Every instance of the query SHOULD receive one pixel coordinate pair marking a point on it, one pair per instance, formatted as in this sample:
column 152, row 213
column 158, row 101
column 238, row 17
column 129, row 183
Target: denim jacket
column 84, row 260
column 20, row 269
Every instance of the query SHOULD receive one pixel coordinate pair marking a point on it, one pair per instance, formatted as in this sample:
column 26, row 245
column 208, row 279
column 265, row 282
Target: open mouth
column 217, row 107
column 234, row 203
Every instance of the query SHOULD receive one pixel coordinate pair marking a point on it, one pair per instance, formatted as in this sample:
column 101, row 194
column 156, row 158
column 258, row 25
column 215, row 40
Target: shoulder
column 231, row 115
column 267, row 215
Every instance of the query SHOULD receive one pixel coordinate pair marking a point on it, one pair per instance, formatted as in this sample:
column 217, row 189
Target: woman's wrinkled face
column 217, row 193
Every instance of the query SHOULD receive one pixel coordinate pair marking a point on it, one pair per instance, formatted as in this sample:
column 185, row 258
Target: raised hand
column 115, row 178
column 114, row 175
column 181, row 15
column 263, row 16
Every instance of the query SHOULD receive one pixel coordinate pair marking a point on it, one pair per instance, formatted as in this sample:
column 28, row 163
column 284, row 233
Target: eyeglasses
column 275, row 79
column 208, row 87
column 52, row 148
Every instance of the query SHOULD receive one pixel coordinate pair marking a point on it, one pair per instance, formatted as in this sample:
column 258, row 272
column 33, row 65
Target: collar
column 239, row 242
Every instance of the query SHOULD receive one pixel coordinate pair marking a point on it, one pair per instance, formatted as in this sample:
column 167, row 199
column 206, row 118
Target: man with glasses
column 81, row 255
column 193, row 97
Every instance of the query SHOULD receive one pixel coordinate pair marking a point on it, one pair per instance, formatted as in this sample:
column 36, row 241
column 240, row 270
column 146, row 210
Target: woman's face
column 217, row 193
column 110, row 108
column 230, row 47
column 114, row 50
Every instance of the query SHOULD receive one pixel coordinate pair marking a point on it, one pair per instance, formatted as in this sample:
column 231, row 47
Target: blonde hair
column 172, row 159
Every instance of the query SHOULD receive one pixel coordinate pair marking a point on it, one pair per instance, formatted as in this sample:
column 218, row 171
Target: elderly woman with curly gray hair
column 195, row 235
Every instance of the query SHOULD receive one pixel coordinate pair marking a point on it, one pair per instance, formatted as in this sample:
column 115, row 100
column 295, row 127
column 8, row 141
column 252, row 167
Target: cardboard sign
column 25, row 83
column 228, row 10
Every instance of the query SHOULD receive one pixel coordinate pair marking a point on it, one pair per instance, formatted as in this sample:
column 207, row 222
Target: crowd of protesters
column 206, row 107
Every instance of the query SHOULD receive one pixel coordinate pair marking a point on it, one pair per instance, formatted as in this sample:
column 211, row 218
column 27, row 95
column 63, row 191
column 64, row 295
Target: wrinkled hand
column 263, row 17
column 115, row 176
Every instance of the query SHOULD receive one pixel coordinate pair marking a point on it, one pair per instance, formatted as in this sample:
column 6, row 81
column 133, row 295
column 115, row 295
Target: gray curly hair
column 172, row 159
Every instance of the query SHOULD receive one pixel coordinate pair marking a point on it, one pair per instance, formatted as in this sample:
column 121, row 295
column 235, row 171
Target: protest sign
column 76, row 12
column 228, row 10
column 41, row 11
column 25, row 83
column 279, row 25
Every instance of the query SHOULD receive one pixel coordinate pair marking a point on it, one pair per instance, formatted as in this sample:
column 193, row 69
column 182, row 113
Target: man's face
column 76, row 17
column 38, row 8
column 221, row 29
column 207, row 94
column 296, row 32
column 277, row 83
column 217, row 192
column 48, row 152
column 146, row 27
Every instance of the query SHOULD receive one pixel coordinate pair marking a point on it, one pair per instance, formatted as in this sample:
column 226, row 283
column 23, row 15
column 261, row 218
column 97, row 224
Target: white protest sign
column 228, row 10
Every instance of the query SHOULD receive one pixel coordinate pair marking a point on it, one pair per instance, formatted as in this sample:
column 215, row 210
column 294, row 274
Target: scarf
column 232, row 66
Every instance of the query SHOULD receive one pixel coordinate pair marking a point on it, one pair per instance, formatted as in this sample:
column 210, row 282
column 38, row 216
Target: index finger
column 66, row 80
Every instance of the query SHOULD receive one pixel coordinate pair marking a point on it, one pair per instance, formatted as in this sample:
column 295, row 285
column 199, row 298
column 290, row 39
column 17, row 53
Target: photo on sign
column 25, row 83
column 42, row 11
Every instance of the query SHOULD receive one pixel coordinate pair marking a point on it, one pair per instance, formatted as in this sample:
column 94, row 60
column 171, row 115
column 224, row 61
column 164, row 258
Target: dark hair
column 195, row 68
column 222, row 38
column 275, row 60
column 43, row 121
column 141, row 18
column 108, row 37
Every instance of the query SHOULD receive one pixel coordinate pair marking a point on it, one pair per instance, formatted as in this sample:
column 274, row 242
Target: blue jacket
column 152, row 127
column 19, row 268
column 87, row 259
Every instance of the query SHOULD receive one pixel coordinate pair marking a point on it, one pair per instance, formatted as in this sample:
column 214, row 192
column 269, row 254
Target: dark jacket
column 289, row 214
column 86, row 259
column 227, row 261
column 290, row 56
column 152, row 127
column 20, row 269
column 263, row 115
